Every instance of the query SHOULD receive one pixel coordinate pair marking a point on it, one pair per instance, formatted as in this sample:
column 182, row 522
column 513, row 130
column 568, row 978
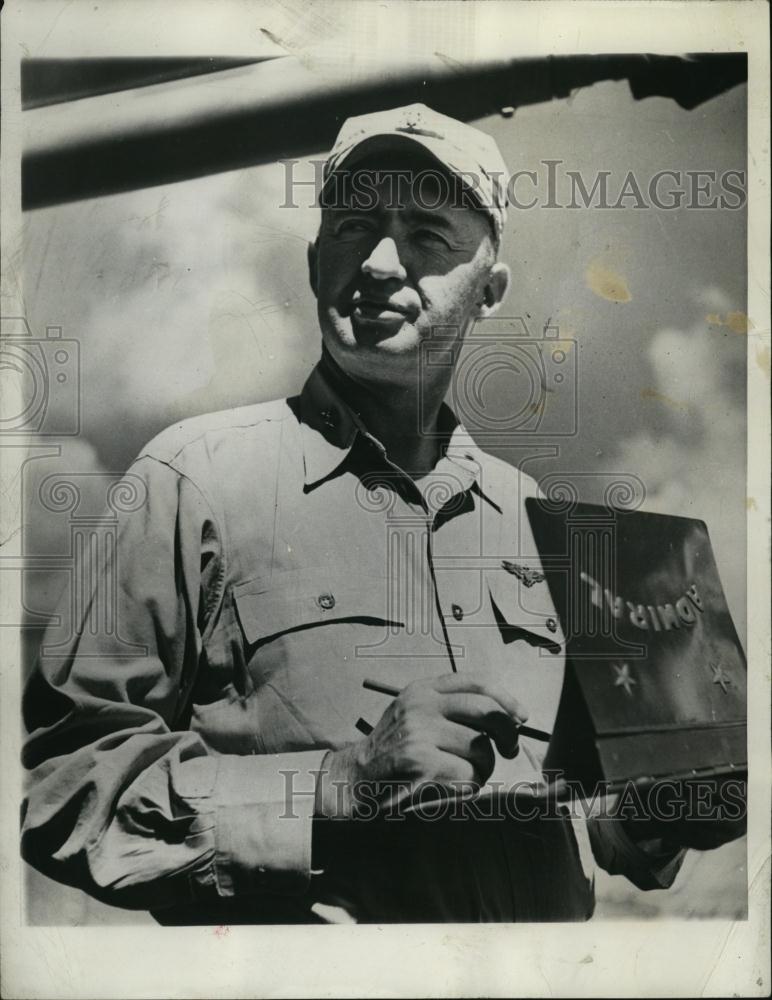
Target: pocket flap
column 301, row 600
column 525, row 610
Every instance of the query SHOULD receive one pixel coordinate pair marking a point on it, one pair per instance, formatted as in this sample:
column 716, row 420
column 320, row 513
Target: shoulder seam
column 189, row 443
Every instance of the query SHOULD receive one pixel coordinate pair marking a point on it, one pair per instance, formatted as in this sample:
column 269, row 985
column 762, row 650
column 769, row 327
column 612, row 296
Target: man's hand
column 439, row 731
column 702, row 813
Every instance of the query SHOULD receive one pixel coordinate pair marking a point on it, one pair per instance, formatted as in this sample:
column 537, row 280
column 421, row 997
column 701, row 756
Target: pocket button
column 457, row 611
column 325, row 601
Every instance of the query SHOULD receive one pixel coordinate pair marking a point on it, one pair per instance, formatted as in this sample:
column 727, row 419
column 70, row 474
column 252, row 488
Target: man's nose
column 384, row 262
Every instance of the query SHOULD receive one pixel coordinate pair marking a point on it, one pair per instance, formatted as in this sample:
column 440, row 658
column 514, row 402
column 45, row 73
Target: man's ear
column 495, row 289
column 313, row 259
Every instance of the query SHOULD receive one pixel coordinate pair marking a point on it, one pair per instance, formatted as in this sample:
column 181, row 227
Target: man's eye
column 353, row 226
column 430, row 236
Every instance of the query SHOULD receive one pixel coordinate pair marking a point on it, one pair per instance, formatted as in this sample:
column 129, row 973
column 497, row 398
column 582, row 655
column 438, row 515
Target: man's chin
column 389, row 336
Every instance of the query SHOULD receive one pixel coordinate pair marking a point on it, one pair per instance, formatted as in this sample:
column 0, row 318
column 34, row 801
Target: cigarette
column 381, row 688
column 389, row 689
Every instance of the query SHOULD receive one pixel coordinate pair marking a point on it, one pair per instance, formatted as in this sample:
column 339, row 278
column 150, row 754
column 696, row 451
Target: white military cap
column 463, row 150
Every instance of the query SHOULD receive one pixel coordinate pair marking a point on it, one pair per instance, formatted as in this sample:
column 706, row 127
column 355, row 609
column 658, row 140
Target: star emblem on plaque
column 720, row 676
column 623, row 677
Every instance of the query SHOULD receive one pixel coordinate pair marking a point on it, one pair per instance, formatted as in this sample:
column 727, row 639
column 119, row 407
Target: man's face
column 390, row 268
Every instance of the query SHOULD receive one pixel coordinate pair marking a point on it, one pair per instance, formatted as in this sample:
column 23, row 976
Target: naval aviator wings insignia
column 525, row 574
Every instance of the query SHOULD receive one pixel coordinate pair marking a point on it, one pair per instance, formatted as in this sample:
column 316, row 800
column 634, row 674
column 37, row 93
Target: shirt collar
column 329, row 428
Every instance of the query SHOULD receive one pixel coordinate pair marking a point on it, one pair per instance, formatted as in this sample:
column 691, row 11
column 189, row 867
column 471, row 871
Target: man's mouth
column 382, row 310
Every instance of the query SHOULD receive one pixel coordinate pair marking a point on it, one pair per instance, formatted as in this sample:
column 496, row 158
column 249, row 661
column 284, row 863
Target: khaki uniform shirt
column 274, row 560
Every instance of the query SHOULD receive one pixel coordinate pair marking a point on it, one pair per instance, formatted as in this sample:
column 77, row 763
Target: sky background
column 193, row 297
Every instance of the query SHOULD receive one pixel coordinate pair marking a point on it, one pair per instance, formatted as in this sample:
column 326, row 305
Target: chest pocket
column 304, row 639
column 296, row 601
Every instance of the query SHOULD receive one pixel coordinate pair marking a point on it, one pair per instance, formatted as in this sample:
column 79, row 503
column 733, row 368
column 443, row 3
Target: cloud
column 696, row 468
column 184, row 299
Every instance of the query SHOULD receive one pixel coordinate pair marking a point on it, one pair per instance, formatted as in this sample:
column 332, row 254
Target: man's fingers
column 705, row 836
column 467, row 683
column 486, row 715
column 450, row 768
column 469, row 746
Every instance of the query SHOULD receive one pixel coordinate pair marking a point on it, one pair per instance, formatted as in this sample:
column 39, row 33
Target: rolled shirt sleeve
column 648, row 864
column 123, row 800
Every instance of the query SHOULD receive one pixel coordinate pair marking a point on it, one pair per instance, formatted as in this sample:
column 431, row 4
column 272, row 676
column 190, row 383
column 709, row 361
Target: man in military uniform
column 230, row 751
